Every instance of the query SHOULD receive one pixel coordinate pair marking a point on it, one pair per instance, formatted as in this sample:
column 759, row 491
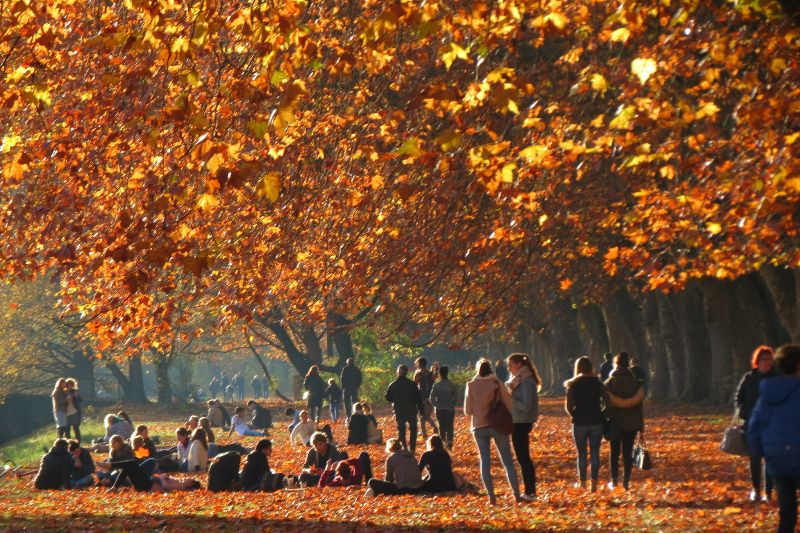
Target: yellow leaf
column 507, row 173
column 714, row 228
column 599, row 83
column 193, row 78
column 180, row 45
column 449, row 140
column 207, row 202
column 9, row 142
column 643, row 68
column 777, row 65
column 556, row 19
column 790, row 139
column 281, row 117
column 450, row 52
column 258, row 128
column 623, row 119
column 708, row 109
column 620, row 35
column 410, row 147
column 269, row 186
column 534, row 153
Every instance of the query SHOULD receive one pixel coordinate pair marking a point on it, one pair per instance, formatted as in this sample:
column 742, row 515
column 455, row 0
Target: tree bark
column 697, row 344
column 673, row 346
column 133, row 384
column 163, row 385
column 719, row 303
column 623, row 318
column 659, row 375
column 784, row 287
column 593, row 329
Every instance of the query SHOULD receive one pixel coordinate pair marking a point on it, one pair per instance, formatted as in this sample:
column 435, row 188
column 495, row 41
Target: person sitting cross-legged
column 437, row 462
column 317, row 459
column 402, row 472
column 256, row 464
column 82, row 466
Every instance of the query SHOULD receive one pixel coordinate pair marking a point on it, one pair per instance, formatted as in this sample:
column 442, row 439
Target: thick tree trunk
column 696, row 342
column 623, row 319
column 659, row 375
column 566, row 344
column 593, row 329
column 84, row 373
column 163, row 385
column 720, row 303
column 133, row 384
column 784, row 287
column 673, row 347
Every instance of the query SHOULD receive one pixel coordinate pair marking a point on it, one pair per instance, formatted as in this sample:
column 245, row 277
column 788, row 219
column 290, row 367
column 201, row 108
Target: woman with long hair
column 524, row 383
column 586, row 397
column 198, row 450
column 59, row 397
column 316, row 392
column 628, row 417
column 761, row 368
column 480, row 394
column 73, row 408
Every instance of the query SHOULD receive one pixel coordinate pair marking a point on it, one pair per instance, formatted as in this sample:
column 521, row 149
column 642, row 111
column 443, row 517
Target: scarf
column 517, row 379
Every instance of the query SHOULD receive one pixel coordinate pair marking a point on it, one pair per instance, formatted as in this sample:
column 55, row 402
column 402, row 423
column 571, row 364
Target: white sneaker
column 369, row 493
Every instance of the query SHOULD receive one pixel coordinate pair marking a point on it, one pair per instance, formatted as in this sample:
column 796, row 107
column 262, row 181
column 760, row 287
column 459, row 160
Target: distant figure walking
column 423, row 379
column 316, row 392
column 351, row 381
column 213, row 386
column 74, row 401
column 482, row 392
column 500, row 370
column 444, row 397
column 406, row 401
column 747, row 395
column 607, row 366
column 626, row 394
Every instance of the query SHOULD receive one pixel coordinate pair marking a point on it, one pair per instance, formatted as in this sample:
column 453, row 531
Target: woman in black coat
column 316, row 392
column 746, row 397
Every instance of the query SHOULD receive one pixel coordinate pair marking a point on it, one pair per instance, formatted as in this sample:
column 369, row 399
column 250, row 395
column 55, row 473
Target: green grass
column 28, row 450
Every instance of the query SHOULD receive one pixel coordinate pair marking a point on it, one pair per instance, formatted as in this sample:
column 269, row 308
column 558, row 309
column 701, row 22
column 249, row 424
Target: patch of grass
column 28, row 450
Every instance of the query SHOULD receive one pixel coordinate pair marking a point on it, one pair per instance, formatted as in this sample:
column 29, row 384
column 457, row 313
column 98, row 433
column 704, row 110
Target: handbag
column 610, row 429
column 641, row 455
column 499, row 417
column 733, row 438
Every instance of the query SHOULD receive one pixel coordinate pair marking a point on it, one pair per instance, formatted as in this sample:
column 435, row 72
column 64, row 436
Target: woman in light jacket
column 198, row 450
column 60, row 403
column 524, row 384
column 481, row 392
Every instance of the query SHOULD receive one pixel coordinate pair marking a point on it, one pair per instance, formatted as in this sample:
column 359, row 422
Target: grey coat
column 525, row 402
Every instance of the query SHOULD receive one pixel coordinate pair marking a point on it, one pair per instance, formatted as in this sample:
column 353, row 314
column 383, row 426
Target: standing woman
column 481, row 392
column 585, row 397
column 316, row 392
column 627, row 393
column 73, row 408
column 524, row 384
column 60, row 402
column 746, row 397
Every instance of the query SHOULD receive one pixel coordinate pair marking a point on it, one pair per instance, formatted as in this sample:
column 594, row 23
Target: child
column 334, row 395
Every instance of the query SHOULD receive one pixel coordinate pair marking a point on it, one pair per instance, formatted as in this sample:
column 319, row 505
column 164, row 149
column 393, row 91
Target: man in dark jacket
column 606, row 367
column 351, row 382
column 262, row 417
column 774, row 432
column 404, row 396
column 317, row 458
column 256, row 464
column 54, row 468
column 82, row 466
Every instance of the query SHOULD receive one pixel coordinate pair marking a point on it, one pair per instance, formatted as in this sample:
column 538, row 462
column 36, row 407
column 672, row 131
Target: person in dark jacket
column 501, row 370
column 404, row 397
column 334, row 395
column 586, row 397
column 317, row 459
column 262, row 417
column 358, row 426
column 638, row 371
column 316, row 392
column 256, row 464
column 444, row 398
column 423, row 379
column 524, row 386
column 351, row 382
column 747, row 395
column 774, row 432
column 55, row 467
column 626, row 394
column 606, row 367
column 439, row 465
column 74, row 401
column 82, row 466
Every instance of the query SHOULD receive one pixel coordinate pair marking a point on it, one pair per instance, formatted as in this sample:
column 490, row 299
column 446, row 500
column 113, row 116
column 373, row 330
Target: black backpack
column 224, row 471
column 270, row 482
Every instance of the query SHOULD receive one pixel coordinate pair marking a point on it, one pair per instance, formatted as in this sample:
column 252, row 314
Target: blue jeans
column 335, row 412
column 80, row 483
column 594, row 434
column 252, row 433
column 483, row 438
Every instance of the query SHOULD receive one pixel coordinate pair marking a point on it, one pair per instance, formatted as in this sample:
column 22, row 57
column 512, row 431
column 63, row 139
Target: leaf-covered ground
column 693, row 486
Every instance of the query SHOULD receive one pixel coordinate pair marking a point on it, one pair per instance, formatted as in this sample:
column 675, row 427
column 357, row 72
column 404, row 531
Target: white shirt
column 183, row 451
column 198, row 456
column 304, row 430
column 239, row 425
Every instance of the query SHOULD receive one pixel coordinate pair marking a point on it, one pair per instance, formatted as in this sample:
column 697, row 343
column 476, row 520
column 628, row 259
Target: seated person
column 117, row 426
column 374, row 435
column 140, row 451
column 182, row 449
column 223, row 474
column 262, row 418
column 55, row 467
column 304, row 430
column 317, row 459
column 439, row 465
column 290, row 411
column 82, row 466
column 192, row 423
column 256, row 464
column 358, row 426
column 118, row 452
column 149, row 447
column 402, row 472
column 127, row 468
column 198, row 451
column 239, row 425
column 215, row 414
column 347, row 472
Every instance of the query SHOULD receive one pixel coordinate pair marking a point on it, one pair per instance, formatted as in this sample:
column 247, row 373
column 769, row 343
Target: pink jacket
column 480, row 395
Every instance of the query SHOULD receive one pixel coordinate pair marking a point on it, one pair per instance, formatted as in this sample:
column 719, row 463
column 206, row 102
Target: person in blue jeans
column 586, row 397
column 239, row 425
column 479, row 396
column 82, row 466
column 773, row 432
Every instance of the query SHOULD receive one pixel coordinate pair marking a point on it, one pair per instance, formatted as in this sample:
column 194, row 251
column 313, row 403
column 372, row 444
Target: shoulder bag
column 733, row 438
column 499, row 417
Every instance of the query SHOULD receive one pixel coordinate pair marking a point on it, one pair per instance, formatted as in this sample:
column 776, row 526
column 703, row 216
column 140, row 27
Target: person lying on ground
column 317, row 459
column 347, row 472
column 239, row 425
column 54, row 467
column 82, row 466
column 165, row 483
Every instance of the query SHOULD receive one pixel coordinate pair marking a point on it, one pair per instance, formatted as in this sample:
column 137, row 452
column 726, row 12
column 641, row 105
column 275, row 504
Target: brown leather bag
column 499, row 417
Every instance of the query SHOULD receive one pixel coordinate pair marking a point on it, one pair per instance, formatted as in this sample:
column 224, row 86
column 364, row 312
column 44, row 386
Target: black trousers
column 380, row 486
column 446, row 418
column 755, row 474
column 520, row 438
column 623, row 443
column 350, row 397
column 787, row 502
column 401, row 431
